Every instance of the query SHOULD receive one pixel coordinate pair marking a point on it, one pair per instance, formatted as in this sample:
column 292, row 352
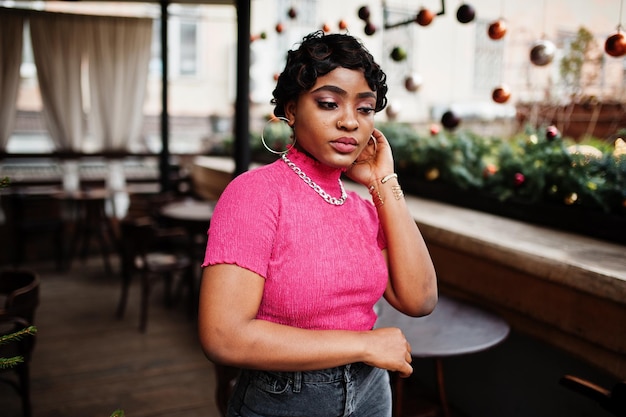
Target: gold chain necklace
column 327, row 197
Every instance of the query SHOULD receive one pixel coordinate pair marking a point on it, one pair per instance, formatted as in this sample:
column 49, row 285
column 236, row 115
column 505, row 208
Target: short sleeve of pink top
column 322, row 263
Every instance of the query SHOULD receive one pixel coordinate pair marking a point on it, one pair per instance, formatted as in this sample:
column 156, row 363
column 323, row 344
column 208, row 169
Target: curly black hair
column 319, row 54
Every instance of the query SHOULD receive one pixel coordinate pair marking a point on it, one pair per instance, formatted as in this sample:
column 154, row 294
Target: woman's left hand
column 375, row 161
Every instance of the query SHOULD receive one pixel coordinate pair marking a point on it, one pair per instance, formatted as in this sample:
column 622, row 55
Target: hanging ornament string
column 615, row 44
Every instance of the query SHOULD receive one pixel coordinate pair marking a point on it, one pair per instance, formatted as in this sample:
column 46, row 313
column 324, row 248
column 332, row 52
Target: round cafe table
column 88, row 209
column 192, row 215
column 453, row 328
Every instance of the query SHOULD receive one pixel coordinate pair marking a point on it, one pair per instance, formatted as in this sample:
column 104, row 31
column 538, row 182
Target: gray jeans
column 354, row 390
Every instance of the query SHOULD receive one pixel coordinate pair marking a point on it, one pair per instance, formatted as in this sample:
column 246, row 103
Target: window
column 188, row 47
column 489, row 60
column 183, row 33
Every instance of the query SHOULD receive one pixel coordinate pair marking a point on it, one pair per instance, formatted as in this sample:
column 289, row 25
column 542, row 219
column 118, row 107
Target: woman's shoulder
column 257, row 176
column 255, row 183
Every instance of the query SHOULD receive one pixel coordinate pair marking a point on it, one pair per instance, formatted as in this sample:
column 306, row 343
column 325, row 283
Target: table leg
column 441, row 388
column 398, row 391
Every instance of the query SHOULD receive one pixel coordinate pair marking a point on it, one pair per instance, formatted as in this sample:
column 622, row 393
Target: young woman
column 294, row 263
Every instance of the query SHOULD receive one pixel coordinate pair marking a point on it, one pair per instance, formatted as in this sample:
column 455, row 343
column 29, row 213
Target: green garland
column 536, row 166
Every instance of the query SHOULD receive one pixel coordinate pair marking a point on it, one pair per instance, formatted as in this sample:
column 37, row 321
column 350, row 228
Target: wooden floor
column 88, row 364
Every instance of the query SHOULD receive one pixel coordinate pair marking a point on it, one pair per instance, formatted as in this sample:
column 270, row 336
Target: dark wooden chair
column 20, row 290
column 148, row 251
column 613, row 400
column 36, row 218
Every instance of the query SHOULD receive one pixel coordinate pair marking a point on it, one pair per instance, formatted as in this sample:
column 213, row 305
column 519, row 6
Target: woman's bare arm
column 230, row 333
column 412, row 286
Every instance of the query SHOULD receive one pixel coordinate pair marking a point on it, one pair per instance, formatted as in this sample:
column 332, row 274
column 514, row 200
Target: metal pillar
column 242, row 104
column 164, row 157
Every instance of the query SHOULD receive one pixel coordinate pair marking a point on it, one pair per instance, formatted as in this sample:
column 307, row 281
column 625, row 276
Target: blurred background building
column 445, row 65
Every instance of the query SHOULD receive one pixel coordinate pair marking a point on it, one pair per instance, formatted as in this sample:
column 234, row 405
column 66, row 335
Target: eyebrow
column 342, row 92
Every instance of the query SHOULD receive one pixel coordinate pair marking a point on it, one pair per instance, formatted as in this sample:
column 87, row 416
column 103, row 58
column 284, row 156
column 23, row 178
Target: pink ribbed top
column 322, row 264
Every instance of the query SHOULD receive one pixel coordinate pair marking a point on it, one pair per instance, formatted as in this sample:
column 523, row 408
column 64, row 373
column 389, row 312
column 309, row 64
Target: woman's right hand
column 388, row 349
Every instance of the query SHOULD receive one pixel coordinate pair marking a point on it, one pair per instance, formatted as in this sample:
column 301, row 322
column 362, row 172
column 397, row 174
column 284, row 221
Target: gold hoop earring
column 277, row 135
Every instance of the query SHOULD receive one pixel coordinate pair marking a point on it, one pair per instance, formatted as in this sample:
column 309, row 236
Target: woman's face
column 334, row 120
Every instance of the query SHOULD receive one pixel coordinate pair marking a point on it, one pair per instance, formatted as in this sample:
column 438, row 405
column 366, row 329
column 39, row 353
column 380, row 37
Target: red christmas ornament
column 343, row 25
column 615, row 45
column 449, row 120
column 501, row 94
column 552, row 133
column 424, row 17
column 465, row 13
column 364, row 13
column 370, row 29
column 292, row 13
column 497, row 29
column 519, row 179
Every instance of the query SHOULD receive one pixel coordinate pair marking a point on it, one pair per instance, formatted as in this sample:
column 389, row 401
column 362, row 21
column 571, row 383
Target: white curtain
column 58, row 49
column 118, row 55
column 11, row 34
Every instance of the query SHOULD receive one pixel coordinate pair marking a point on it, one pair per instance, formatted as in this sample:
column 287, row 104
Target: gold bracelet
column 397, row 192
column 388, row 177
column 376, row 197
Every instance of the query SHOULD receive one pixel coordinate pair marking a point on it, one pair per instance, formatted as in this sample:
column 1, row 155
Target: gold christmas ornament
column 587, row 151
column 571, row 199
column 432, row 174
column 620, row 148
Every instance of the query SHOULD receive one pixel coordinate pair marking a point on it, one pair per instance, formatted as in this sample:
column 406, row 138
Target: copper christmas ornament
column 413, row 82
column 424, row 17
column 497, row 29
column 542, row 53
column 615, row 45
column 393, row 110
column 501, row 94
